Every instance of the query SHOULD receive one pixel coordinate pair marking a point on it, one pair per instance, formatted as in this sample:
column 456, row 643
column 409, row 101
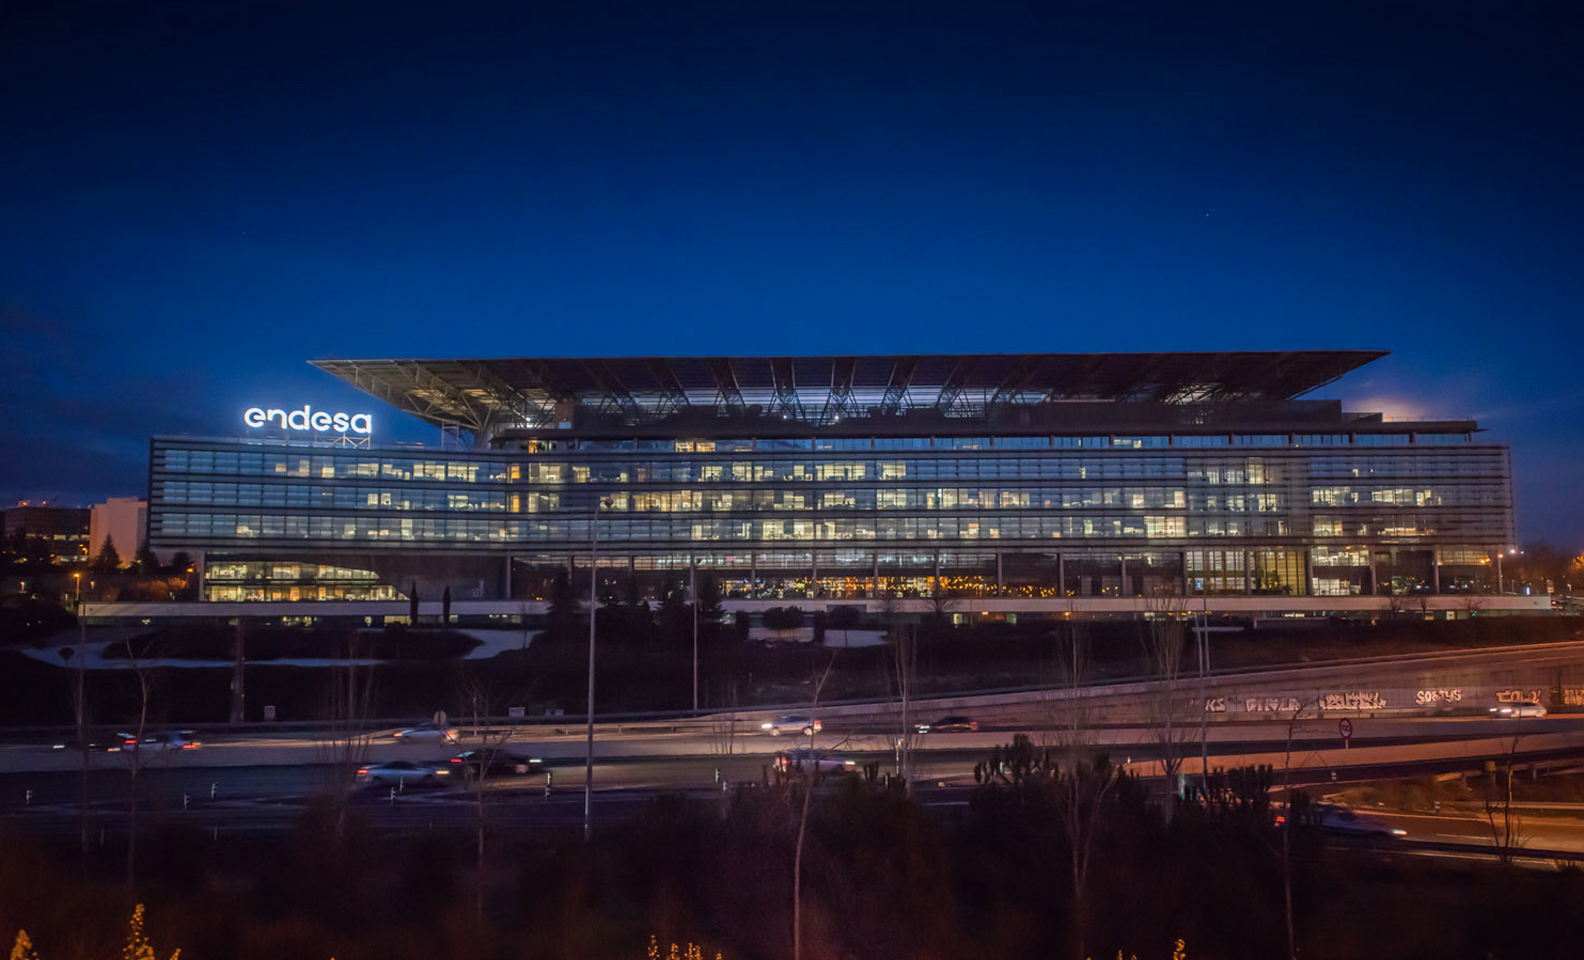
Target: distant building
column 1026, row 485
column 57, row 532
column 124, row 520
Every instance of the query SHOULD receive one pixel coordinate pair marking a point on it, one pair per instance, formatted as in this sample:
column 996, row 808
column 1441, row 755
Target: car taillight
column 362, row 771
column 1281, row 820
column 189, row 746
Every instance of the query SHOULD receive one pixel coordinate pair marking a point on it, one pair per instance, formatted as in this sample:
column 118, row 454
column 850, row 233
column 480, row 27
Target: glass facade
column 1325, row 513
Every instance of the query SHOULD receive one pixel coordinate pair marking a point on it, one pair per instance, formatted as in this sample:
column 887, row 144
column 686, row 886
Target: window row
column 347, row 496
column 1209, row 470
column 173, row 526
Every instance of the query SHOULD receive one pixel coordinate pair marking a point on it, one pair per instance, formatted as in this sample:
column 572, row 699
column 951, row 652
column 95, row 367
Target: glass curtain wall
column 973, row 517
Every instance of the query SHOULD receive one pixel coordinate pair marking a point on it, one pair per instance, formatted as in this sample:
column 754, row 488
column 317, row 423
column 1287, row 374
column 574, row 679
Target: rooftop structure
column 496, row 399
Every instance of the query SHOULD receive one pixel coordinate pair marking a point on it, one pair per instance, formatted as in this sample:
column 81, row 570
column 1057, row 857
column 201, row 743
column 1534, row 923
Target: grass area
column 204, row 642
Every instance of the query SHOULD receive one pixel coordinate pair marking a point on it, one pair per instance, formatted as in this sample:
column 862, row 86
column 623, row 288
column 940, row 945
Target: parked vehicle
column 496, row 763
column 792, row 723
column 1513, row 711
column 951, row 724
column 428, row 732
column 395, row 772
column 820, row 761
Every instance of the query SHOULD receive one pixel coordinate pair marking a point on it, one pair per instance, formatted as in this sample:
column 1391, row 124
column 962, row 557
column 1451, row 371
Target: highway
column 261, row 780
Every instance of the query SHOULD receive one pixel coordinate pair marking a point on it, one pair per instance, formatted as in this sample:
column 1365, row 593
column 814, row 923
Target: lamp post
column 80, row 708
column 1204, row 704
column 588, row 771
column 693, row 589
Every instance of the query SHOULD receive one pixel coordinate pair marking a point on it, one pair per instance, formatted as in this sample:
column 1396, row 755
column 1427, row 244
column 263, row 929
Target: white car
column 817, row 760
column 1513, row 711
column 1340, row 820
column 791, row 723
column 394, row 772
column 428, row 733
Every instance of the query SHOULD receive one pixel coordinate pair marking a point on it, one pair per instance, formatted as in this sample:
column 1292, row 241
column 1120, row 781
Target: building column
column 1125, row 591
column 1248, row 572
column 814, row 580
column 1061, row 573
column 1182, row 565
column 1435, row 570
column 1000, row 583
column 1308, row 584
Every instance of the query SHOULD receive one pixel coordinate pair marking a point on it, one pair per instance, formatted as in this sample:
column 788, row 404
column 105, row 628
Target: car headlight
column 1399, row 833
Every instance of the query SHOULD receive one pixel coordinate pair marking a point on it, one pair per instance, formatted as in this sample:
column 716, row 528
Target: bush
column 783, row 618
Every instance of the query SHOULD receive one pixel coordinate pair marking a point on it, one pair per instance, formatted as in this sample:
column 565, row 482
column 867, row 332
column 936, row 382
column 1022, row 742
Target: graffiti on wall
column 1353, row 700
column 1270, row 704
column 1516, row 695
column 1436, row 695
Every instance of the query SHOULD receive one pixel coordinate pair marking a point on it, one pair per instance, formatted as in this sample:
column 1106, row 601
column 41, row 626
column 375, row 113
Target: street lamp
column 588, row 772
column 693, row 589
column 77, row 595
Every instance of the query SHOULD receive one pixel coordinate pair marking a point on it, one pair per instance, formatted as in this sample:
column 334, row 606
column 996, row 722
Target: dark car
column 94, row 746
column 494, row 763
column 952, row 724
column 174, row 740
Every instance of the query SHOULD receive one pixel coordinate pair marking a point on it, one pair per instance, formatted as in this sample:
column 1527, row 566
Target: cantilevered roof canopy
column 487, row 395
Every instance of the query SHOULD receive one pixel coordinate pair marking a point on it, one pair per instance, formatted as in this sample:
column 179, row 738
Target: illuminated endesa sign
column 308, row 418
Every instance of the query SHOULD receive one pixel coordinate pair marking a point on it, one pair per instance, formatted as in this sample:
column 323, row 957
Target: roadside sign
column 1345, row 727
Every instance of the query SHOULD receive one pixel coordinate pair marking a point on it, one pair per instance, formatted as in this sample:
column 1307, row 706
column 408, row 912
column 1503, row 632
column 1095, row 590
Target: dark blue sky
column 196, row 198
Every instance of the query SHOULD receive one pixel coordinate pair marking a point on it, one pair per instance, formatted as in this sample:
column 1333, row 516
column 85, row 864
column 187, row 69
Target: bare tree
column 1165, row 645
column 1473, row 603
column 1084, row 785
column 476, row 692
column 143, row 671
column 904, row 651
column 1506, row 826
column 348, row 698
column 723, row 728
column 811, row 778
column 1287, row 824
column 943, row 600
column 79, row 702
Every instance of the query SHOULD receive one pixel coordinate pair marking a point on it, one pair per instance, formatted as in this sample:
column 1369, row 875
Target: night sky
column 196, row 198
